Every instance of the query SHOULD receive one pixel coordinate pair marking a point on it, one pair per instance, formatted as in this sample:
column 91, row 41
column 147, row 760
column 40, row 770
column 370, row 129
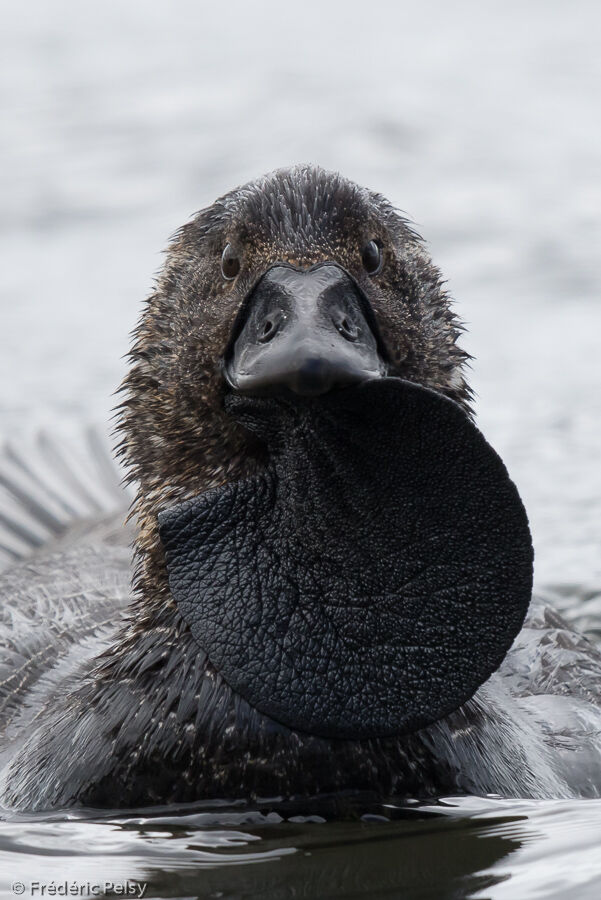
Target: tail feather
column 48, row 487
column 107, row 467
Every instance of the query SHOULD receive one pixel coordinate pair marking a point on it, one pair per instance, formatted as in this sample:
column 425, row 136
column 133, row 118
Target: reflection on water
column 461, row 847
column 481, row 121
column 263, row 856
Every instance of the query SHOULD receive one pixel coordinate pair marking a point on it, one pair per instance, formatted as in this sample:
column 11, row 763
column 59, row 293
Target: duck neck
column 151, row 594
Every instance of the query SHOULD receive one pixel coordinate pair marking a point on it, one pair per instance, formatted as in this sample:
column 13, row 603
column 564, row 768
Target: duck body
column 112, row 722
column 107, row 699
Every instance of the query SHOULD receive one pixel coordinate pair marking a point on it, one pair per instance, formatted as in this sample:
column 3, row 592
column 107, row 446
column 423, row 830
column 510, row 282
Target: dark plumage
column 147, row 720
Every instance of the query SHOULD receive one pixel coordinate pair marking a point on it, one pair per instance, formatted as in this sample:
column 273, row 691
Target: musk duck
column 331, row 584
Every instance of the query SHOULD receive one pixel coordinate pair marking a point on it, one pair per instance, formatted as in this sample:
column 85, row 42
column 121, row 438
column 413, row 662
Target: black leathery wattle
column 372, row 577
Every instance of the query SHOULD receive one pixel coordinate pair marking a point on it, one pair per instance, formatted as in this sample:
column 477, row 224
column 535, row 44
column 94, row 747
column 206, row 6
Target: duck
column 296, row 384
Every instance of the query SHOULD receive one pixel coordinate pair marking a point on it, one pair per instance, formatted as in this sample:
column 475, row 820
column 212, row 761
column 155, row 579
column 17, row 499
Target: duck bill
column 304, row 331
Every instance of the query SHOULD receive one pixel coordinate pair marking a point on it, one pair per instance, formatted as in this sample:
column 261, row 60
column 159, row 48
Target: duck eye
column 230, row 263
column 371, row 258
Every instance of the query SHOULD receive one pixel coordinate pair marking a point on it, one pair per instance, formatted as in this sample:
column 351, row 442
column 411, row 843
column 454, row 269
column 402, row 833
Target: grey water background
column 481, row 121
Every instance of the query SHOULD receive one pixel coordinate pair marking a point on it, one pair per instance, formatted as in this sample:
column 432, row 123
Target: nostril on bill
column 347, row 328
column 268, row 331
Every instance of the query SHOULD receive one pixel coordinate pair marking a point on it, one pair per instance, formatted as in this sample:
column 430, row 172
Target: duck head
column 295, row 406
column 272, row 285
